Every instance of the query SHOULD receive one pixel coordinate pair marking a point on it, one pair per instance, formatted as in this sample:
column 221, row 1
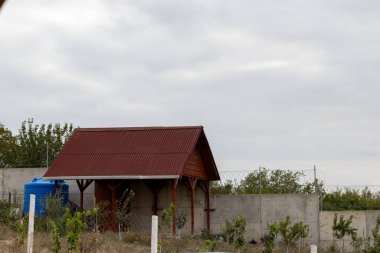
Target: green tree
column 234, row 231
column 351, row 199
column 270, row 238
column 342, row 227
column 222, row 188
column 274, row 181
column 35, row 143
column 7, row 143
column 375, row 246
column 291, row 234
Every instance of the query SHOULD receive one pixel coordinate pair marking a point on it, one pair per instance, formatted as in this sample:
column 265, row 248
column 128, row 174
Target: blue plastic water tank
column 43, row 188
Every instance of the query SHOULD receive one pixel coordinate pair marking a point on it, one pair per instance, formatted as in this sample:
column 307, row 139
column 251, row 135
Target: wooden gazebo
column 158, row 156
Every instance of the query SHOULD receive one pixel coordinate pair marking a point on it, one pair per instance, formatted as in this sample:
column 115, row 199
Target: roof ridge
column 110, row 129
column 115, row 153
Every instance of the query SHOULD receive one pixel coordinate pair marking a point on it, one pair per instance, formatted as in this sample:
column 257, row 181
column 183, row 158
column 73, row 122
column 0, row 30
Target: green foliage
column 271, row 237
column 54, row 211
column 374, row 247
column 30, row 146
column 209, row 246
column 21, row 228
column 272, row 182
column 181, row 219
column 7, row 142
column 74, row 227
column 342, row 227
column 167, row 215
column 357, row 243
column 223, row 188
column 349, row 199
column 123, row 216
column 291, row 234
column 7, row 214
column 56, row 238
column 234, row 231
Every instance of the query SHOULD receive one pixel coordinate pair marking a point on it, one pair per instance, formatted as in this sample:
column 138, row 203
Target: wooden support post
column 174, row 188
column 113, row 205
column 55, row 187
column 208, row 206
column 113, row 187
column 155, row 204
column 155, row 187
column 193, row 184
column 82, row 185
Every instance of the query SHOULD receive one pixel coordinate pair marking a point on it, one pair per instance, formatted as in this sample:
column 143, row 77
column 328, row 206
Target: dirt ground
column 109, row 243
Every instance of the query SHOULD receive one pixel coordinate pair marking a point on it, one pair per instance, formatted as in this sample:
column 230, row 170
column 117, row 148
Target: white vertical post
column 260, row 206
column 154, row 237
column 313, row 249
column 29, row 248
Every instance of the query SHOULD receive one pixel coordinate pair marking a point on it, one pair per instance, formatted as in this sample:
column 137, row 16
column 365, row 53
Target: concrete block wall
column 260, row 211
column 363, row 221
column 13, row 180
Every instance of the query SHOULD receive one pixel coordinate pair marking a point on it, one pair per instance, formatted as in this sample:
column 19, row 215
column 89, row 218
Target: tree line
column 35, row 145
column 290, row 182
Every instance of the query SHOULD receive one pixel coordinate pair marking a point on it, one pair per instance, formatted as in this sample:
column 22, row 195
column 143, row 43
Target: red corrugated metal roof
column 139, row 152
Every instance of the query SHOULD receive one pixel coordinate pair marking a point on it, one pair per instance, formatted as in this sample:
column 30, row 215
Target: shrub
column 8, row 216
column 234, row 231
column 270, row 238
column 291, row 234
column 74, row 227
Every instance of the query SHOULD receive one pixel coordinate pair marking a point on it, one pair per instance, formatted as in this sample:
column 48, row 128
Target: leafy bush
column 272, row 182
column 123, row 215
column 21, row 228
column 350, row 199
column 269, row 240
column 74, row 227
column 181, row 219
column 209, row 246
column 291, row 234
column 167, row 215
column 7, row 216
column 56, row 238
column 234, row 231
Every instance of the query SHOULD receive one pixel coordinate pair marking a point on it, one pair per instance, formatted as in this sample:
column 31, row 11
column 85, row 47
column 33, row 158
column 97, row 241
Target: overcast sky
column 280, row 84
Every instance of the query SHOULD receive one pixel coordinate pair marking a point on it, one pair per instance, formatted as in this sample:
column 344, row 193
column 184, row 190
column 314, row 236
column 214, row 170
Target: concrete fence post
column 29, row 248
column 154, row 235
column 313, row 249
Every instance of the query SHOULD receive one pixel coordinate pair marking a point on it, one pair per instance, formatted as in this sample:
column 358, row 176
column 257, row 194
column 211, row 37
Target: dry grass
column 108, row 242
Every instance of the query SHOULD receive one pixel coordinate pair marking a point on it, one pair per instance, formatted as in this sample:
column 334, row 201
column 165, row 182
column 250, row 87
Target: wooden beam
column 193, row 184
column 174, row 188
column 55, row 187
column 82, row 185
column 207, row 183
column 113, row 187
column 155, row 187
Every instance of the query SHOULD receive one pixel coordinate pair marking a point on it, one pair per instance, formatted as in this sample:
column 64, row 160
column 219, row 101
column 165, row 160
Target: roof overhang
column 141, row 177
